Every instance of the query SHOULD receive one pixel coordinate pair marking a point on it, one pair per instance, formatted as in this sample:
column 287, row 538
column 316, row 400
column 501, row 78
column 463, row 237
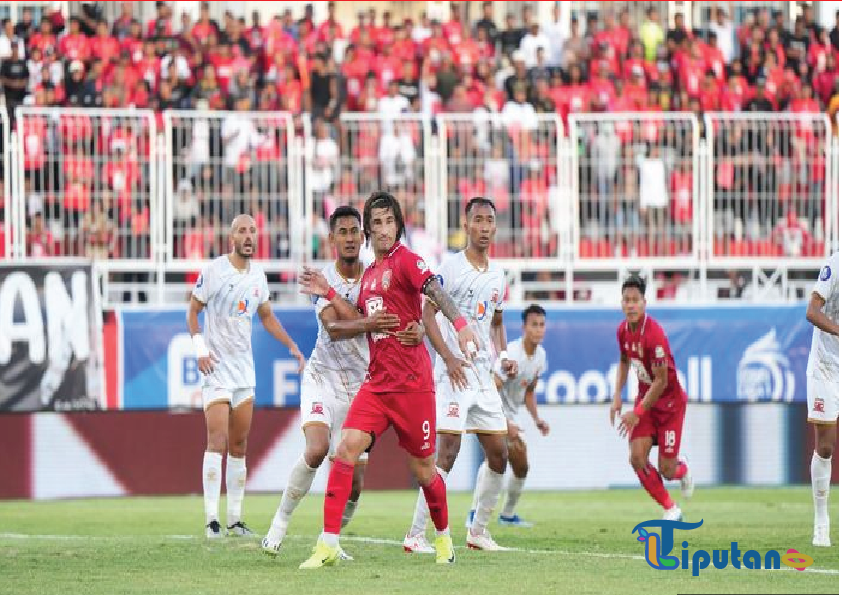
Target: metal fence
column 635, row 176
column 769, row 190
column 220, row 164
column 514, row 162
column 618, row 191
column 86, row 182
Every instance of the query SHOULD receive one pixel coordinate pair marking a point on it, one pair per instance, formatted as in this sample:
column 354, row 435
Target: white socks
column 298, row 485
column 480, row 476
column 820, row 469
column 211, row 484
column 513, row 496
column 235, row 487
column 488, row 491
column 419, row 518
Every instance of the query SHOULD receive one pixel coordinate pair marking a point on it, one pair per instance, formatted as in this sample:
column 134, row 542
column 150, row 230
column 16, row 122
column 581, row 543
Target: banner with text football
column 737, row 353
column 51, row 353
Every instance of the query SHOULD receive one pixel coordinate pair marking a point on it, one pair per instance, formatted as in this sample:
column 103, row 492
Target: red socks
column 338, row 490
column 654, row 485
column 680, row 471
column 436, row 495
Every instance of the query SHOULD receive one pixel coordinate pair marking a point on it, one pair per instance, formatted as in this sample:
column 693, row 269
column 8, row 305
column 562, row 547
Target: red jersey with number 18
column 646, row 347
column 395, row 285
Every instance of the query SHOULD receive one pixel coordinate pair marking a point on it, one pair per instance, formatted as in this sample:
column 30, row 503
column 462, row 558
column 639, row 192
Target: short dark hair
column 533, row 309
column 381, row 199
column 635, row 281
column 344, row 211
column 479, row 201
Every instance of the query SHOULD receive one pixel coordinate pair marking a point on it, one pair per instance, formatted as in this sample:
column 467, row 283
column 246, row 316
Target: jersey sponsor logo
column 372, row 305
column 818, row 405
column 387, row 279
column 453, row 410
column 764, row 372
column 242, row 307
column 317, row 409
column 482, row 310
column 640, row 371
column 659, row 352
column 825, row 274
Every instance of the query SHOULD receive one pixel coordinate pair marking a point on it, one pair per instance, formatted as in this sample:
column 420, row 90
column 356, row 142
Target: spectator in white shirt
column 325, row 159
column 239, row 136
column 519, row 113
column 393, row 103
column 397, row 155
column 654, row 198
column 555, row 31
column 724, row 29
column 530, row 43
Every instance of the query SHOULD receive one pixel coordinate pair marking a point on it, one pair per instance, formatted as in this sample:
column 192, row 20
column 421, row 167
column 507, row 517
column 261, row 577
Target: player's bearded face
column 244, row 242
column 384, row 229
column 633, row 305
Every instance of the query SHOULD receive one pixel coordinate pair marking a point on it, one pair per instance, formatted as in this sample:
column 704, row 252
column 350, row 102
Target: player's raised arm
column 467, row 338
column 276, row 330
column 314, row 283
column 453, row 363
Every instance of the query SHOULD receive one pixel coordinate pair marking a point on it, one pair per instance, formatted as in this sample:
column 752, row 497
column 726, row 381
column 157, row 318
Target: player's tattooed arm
column 276, row 330
column 468, row 340
column 818, row 318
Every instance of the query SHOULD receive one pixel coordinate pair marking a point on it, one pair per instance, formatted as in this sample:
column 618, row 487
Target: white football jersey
column 231, row 298
column 477, row 294
column 823, row 362
column 529, row 369
column 342, row 363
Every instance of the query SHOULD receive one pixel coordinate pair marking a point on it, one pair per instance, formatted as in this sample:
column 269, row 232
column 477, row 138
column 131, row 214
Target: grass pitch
column 581, row 543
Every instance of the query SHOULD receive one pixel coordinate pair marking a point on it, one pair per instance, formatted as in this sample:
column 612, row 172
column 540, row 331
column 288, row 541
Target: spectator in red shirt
column 74, row 45
column 827, row 80
column 160, row 26
column 330, row 21
column 710, row 96
column 357, row 31
column 453, row 29
column 103, row 46
column 44, row 38
column 805, row 101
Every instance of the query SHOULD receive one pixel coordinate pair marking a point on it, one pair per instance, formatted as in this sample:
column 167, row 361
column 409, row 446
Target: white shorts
column 822, row 400
column 321, row 403
column 234, row 397
column 477, row 409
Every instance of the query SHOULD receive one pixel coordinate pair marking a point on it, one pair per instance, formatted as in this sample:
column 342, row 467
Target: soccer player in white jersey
column 466, row 398
column 231, row 289
column 518, row 389
column 333, row 376
column 823, row 389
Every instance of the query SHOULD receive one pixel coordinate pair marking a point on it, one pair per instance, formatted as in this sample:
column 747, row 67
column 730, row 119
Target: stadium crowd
column 768, row 190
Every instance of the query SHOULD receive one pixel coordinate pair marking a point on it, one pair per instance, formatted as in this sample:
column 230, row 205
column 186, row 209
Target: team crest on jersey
column 387, row 279
column 255, row 292
column 494, row 296
column 317, row 408
column 659, row 352
column 453, row 410
column 422, row 266
column 373, row 285
column 818, row 405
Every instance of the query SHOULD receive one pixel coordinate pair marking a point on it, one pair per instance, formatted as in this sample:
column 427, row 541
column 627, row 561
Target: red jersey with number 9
column 395, row 285
column 647, row 347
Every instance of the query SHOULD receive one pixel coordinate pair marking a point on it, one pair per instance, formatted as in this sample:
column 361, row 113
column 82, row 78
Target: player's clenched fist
column 468, row 342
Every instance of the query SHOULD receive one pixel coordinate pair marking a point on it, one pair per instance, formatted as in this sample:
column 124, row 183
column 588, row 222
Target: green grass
column 154, row 545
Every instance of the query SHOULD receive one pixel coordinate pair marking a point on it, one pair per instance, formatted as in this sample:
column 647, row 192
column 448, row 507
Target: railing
column 754, row 195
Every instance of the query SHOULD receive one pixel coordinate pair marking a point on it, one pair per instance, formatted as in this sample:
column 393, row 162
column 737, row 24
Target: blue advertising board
column 737, row 353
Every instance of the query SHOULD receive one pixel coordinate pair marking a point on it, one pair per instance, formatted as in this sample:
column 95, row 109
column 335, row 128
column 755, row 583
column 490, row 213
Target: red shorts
column 665, row 429
column 413, row 415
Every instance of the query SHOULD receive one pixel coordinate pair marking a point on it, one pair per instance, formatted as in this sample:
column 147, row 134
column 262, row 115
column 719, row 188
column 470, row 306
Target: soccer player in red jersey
column 398, row 390
column 658, row 415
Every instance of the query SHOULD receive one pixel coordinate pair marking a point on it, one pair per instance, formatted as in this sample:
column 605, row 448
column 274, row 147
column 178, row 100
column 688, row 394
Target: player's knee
column 447, row 453
column 667, row 468
column 497, row 460
column 217, row 441
column 237, row 448
column 314, row 455
column 520, row 470
column 825, row 449
column 637, row 461
column 349, row 450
